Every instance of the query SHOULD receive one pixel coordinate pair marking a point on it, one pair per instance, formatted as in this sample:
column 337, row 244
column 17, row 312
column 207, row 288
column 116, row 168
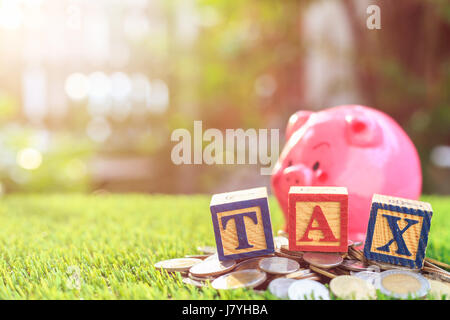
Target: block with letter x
column 318, row 219
column 242, row 224
column 397, row 232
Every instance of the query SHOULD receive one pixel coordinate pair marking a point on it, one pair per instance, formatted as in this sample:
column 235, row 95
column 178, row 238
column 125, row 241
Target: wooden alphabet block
column 318, row 219
column 242, row 224
column 397, row 232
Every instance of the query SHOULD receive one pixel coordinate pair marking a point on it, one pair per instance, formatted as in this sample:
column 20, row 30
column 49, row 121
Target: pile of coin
column 298, row 275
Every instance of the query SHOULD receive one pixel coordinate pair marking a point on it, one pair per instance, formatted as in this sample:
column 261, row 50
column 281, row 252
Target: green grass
column 112, row 242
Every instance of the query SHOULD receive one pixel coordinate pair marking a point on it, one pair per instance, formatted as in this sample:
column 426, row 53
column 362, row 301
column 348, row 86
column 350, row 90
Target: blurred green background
column 90, row 91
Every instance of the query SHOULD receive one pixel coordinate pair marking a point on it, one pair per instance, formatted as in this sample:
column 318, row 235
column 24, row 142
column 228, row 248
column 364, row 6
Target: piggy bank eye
column 316, row 166
column 289, row 163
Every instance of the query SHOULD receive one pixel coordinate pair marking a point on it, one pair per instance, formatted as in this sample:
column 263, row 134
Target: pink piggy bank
column 352, row 146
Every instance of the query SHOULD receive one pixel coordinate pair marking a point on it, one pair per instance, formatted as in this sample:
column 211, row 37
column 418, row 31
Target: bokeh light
column 120, row 86
column 440, row 156
column 98, row 129
column 159, row 98
column 83, row 79
column 11, row 16
column 77, row 86
column 29, row 158
column 100, row 85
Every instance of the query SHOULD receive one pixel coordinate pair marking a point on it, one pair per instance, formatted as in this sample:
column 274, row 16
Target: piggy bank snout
column 297, row 175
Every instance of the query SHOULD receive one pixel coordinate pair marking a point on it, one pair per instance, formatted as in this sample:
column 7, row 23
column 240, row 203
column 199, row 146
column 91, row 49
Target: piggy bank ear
column 363, row 131
column 296, row 121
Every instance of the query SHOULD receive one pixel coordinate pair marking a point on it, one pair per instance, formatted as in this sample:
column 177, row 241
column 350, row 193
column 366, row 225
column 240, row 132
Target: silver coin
column 353, row 265
column 323, row 260
column 402, row 284
column 249, row 278
column 177, row 265
column 212, row 267
column 278, row 265
column 308, row 289
column 279, row 287
column 368, row 276
column 252, row 263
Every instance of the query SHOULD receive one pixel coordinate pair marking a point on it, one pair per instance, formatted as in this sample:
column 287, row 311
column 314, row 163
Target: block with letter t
column 242, row 224
column 318, row 219
column 397, row 232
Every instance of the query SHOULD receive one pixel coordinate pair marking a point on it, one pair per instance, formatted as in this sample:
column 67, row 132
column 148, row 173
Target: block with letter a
column 318, row 219
column 242, row 224
column 397, row 232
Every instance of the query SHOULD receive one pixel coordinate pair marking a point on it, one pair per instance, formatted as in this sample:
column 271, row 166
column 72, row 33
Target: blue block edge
column 263, row 204
column 423, row 241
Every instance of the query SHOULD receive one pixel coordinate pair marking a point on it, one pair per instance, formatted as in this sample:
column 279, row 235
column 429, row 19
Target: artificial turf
column 104, row 246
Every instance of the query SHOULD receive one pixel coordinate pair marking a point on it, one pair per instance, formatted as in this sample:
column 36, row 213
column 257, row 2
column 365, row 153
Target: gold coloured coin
column 278, row 265
column 177, row 265
column 439, row 289
column 240, row 279
column 401, row 284
column 350, row 287
column 323, row 260
column 212, row 267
